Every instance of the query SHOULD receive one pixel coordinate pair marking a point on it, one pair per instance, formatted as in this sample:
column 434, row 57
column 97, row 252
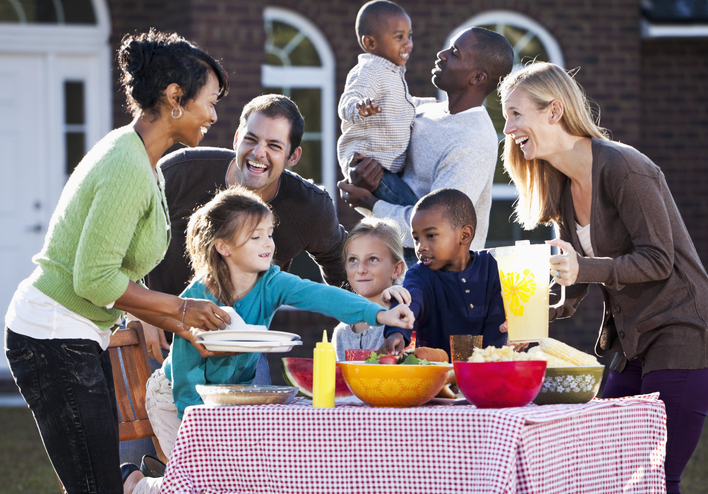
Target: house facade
column 645, row 64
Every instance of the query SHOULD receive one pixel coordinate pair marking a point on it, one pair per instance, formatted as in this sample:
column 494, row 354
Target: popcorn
column 504, row 354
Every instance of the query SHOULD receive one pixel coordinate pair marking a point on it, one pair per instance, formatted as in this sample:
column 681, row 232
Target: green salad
column 410, row 359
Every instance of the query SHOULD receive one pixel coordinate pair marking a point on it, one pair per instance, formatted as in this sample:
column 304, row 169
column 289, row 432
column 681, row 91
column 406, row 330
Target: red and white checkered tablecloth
column 604, row 446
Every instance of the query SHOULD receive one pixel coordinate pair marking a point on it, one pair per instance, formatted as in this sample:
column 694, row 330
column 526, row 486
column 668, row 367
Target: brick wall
column 674, row 108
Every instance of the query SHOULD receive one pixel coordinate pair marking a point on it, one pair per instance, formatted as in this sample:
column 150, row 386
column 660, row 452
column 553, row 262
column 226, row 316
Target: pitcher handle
column 562, row 296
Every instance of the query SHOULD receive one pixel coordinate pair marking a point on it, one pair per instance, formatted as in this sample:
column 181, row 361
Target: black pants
column 68, row 385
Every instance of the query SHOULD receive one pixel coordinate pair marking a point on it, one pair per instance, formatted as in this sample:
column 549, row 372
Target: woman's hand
column 203, row 314
column 169, row 311
column 564, row 266
column 398, row 292
column 393, row 345
column 193, row 337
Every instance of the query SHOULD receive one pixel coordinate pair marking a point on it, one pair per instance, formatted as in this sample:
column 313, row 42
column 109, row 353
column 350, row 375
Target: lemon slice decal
column 517, row 290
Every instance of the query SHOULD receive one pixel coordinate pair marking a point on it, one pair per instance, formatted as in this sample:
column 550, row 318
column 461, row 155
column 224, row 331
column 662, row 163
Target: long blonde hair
column 229, row 213
column 383, row 230
column 538, row 182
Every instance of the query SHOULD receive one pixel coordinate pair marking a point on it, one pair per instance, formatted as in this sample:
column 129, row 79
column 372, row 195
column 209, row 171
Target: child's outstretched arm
column 400, row 316
column 397, row 292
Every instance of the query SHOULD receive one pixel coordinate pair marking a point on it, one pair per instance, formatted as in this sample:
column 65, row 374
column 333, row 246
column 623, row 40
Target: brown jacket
column 654, row 284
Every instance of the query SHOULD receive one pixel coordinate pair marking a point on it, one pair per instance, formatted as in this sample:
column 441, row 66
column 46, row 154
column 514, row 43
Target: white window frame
column 322, row 78
column 62, row 47
column 502, row 18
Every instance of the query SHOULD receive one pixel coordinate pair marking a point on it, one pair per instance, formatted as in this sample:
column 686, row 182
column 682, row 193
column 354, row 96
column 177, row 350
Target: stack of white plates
column 250, row 339
column 241, row 337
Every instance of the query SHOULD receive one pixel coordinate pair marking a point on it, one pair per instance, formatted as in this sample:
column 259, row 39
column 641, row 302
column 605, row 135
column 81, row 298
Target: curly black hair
column 457, row 207
column 149, row 62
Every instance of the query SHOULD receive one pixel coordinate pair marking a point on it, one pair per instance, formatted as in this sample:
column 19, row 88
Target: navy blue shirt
column 451, row 302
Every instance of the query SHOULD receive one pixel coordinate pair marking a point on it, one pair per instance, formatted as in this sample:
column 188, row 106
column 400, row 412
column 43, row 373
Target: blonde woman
column 618, row 227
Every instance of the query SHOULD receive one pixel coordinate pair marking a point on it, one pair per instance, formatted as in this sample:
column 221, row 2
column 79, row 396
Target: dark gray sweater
column 653, row 282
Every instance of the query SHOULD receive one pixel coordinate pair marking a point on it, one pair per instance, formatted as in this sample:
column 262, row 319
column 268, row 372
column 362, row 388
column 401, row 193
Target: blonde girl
column 231, row 248
column 373, row 256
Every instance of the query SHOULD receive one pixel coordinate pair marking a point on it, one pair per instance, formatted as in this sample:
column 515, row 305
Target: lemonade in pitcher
column 524, row 272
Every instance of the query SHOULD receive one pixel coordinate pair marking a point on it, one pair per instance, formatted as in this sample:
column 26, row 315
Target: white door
column 23, row 188
column 36, row 131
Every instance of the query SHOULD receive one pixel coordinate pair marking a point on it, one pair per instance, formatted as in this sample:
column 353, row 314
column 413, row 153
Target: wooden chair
column 129, row 343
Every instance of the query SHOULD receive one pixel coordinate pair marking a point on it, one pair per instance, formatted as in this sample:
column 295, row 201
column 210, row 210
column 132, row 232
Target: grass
column 24, row 466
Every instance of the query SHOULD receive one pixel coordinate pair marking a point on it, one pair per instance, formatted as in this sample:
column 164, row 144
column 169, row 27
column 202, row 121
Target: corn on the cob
column 552, row 361
column 567, row 352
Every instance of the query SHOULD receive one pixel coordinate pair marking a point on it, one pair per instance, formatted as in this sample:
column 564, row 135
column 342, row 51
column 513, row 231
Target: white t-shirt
column 32, row 313
column 584, row 237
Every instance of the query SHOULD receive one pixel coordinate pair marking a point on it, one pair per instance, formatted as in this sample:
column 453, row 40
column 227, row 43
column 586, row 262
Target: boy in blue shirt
column 453, row 290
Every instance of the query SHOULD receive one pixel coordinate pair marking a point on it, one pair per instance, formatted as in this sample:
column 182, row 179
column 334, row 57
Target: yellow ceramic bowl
column 394, row 385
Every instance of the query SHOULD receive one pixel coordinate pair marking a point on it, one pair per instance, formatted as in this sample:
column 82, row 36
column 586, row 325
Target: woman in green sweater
column 108, row 231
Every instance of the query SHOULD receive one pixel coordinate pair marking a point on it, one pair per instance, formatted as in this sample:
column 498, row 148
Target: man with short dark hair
column 453, row 143
column 266, row 143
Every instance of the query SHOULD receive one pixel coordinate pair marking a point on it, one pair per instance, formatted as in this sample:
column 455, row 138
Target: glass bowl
column 242, row 394
column 570, row 385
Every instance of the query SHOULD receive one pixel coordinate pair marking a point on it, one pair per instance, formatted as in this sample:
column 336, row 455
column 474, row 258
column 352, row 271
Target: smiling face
column 528, row 126
column 198, row 114
column 454, row 66
column 370, row 267
column 394, row 39
column 263, row 151
column 438, row 244
column 252, row 252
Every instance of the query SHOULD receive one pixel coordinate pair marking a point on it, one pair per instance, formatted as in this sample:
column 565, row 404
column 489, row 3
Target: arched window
column 300, row 64
column 531, row 41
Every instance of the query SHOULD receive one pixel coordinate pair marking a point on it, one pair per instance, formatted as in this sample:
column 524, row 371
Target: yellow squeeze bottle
column 324, row 374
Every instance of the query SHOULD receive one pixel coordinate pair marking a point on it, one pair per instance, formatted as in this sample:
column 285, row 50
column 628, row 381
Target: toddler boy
column 453, row 290
column 376, row 109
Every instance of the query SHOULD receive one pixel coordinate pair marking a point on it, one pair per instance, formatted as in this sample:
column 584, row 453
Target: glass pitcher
column 524, row 273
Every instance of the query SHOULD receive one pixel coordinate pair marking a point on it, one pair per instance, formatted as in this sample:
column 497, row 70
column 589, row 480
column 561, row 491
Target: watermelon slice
column 298, row 372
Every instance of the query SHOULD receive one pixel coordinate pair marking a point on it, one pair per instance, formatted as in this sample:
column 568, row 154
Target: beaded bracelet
column 184, row 310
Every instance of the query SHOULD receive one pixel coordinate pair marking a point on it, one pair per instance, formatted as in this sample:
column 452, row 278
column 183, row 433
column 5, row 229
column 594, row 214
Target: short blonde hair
column 540, row 184
column 384, row 230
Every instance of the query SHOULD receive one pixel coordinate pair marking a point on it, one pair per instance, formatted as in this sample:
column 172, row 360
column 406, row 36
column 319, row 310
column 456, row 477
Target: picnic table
column 604, row 446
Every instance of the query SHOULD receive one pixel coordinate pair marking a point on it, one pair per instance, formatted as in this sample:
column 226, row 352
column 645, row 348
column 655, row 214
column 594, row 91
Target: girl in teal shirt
column 231, row 248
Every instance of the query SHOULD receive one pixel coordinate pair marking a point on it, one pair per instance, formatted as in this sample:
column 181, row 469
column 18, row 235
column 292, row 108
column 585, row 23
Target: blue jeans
column 394, row 190
column 685, row 396
column 68, row 385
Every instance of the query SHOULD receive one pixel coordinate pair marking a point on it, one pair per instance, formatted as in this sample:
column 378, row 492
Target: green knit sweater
column 109, row 227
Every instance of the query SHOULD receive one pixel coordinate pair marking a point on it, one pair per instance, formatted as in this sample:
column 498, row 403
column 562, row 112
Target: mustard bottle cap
column 324, row 344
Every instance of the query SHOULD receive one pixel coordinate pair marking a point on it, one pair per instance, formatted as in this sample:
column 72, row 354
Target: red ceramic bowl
column 500, row 384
